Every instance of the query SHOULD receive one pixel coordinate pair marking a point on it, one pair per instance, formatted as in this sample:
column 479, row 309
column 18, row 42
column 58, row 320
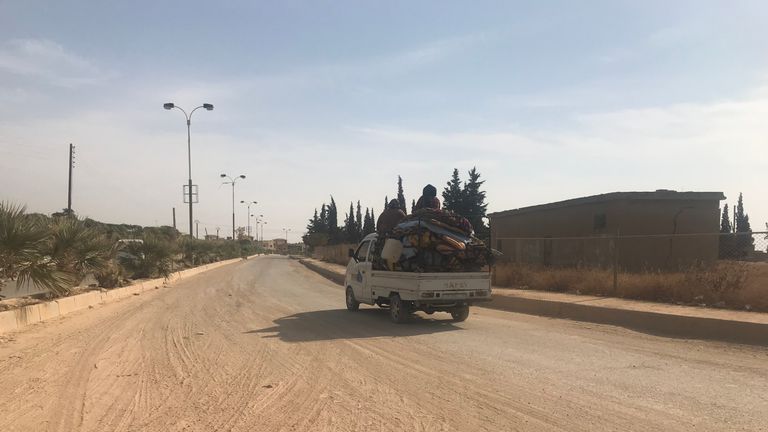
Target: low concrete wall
column 17, row 318
column 331, row 275
column 338, row 254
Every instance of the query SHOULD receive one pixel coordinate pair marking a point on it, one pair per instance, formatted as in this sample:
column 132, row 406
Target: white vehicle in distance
column 406, row 292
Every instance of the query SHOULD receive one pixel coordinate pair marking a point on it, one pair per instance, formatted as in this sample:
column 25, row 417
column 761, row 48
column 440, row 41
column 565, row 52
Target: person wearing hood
column 428, row 199
column 390, row 217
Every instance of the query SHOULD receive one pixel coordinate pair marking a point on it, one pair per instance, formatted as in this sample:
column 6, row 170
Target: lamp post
column 259, row 220
column 209, row 107
column 249, row 214
column 286, row 231
column 232, row 181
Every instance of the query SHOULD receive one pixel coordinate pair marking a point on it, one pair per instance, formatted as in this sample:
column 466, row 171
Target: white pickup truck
column 406, row 292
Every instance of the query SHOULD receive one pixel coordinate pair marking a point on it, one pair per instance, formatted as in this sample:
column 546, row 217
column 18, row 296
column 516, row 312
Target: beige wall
column 622, row 217
column 338, row 254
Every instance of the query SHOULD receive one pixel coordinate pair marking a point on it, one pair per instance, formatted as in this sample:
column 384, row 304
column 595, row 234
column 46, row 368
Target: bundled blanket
column 436, row 241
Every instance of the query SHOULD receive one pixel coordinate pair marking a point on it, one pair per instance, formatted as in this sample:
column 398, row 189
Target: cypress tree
column 350, row 226
column 359, row 221
column 369, row 225
column 333, row 223
column 725, row 221
column 726, row 240
column 413, row 206
column 474, row 203
column 323, row 222
column 453, row 195
column 400, row 196
column 744, row 241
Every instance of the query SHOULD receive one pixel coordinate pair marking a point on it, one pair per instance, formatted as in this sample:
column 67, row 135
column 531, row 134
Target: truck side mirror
column 351, row 253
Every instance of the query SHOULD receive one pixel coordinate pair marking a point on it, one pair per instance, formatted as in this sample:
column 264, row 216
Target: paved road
column 265, row 345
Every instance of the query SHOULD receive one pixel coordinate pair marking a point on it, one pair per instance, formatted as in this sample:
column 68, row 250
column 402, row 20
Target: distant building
column 279, row 245
column 583, row 231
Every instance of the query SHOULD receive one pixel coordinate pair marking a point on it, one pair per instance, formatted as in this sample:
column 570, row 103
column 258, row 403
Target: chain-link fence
column 728, row 269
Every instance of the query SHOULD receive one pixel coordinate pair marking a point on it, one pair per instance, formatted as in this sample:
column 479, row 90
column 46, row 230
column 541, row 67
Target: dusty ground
column 265, row 345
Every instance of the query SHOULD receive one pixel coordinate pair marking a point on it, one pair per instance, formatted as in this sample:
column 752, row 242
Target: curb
column 16, row 319
column 655, row 323
column 331, row 275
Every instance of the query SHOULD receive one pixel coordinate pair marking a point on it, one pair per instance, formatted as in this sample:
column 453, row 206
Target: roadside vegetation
column 726, row 284
column 58, row 252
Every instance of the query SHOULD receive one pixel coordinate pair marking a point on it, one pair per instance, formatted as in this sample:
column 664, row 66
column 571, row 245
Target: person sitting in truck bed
column 428, row 199
column 390, row 217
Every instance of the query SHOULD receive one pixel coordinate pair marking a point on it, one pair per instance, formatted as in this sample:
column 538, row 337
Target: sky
column 549, row 100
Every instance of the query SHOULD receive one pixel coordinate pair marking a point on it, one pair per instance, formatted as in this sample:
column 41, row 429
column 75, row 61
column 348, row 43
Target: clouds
column 719, row 145
column 49, row 62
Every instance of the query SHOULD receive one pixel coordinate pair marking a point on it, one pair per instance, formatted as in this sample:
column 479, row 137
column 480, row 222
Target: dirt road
column 265, row 345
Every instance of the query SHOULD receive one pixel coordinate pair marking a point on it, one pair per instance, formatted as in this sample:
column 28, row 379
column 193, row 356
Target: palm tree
column 23, row 252
column 78, row 249
column 149, row 257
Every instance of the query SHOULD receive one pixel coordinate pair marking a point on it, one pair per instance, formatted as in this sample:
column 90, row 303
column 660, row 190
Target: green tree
column 78, row 249
column 413, row 205
column 725, row 221
column 151, row 257
column 726, row 244
column 322, row 223
column 475, row 205
column 453, row 194
column 400, row 195
column 744, row 241
column 350, row 226
column 24, row 245
column 334, row 233
column 369, row 225
column 359, row 221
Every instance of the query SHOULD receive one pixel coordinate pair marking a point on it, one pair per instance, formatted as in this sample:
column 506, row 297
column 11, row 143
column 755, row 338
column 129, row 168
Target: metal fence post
column 616, row 263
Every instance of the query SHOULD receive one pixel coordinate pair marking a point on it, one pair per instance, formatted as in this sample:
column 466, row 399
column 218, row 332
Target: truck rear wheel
column 352, row 303
column 460, row 313
column 397, row 310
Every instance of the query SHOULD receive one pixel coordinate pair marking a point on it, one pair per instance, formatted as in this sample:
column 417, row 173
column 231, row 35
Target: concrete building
column 279, row 245
column 636, row 230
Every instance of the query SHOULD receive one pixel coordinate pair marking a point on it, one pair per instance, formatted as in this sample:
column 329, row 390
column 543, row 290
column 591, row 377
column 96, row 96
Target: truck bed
column 442, row 285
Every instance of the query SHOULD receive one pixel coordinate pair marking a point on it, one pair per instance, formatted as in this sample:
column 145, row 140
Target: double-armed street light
column 259, row 220
column 188, row 195
column 249, row 214
column 232, row 181
column 286, row 231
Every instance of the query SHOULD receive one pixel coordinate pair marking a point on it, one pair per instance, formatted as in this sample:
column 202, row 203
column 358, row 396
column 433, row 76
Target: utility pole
column 197, row 229
column 69, row 189
column 174, row 218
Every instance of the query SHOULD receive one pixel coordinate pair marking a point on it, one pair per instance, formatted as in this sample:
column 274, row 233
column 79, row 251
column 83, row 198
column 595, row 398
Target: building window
column 600, row 221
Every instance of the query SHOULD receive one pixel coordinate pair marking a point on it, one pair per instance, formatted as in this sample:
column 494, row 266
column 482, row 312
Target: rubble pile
column 435, row 241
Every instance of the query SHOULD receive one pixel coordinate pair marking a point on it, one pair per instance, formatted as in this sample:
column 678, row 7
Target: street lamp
column 209, row 107
column 249, row 215
column 286, row 231
column 262, row 229
column 259, row 220
column 232, row 181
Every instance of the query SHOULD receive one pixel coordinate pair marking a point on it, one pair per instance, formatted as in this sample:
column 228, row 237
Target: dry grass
column 737, row 285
